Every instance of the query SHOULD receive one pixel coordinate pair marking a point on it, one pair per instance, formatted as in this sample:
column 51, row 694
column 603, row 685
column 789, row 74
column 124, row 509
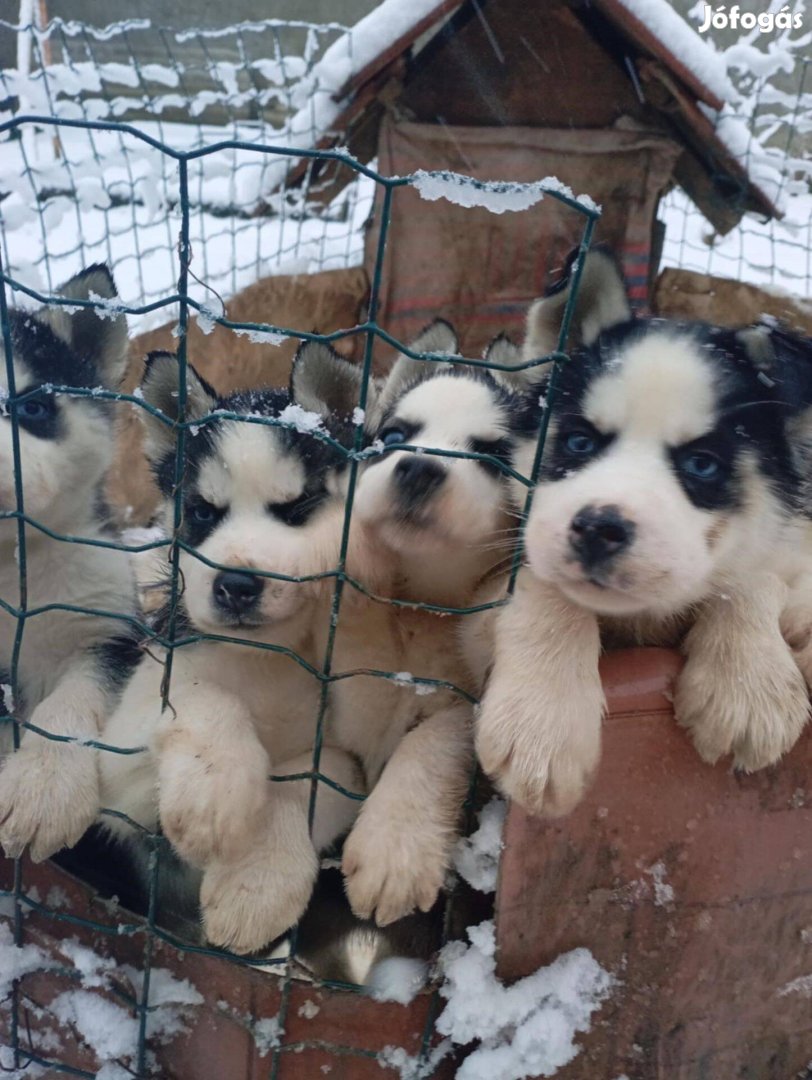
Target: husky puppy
column 257, row 499
column 434, row 526
column 71, row 665
column 666, row 513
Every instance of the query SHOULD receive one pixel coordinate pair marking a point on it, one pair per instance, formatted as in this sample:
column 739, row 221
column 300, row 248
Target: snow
column 109, row 1029
column 45, row 242
column 268, row 1034
column 802, row 985
column 321, row 90
column 527, row 1029
column 697, row 54
column 476, row 857
column 663, row 892
column 397, row 978
column 16, row 961
column 414, row 1068
column 309, row 1009
column 302, row 420
column 498, row 197
column 260, row 337
column 776, row 254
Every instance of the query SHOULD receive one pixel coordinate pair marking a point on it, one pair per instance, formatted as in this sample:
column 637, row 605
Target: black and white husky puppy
column 667, row 512
column 258, row 500
column 71, row 664
column 433, row 526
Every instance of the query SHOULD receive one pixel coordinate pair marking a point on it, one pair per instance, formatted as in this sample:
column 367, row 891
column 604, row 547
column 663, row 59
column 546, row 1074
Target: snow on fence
column 76, row 195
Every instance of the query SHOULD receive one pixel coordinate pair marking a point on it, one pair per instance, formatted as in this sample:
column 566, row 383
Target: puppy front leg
column 796, row 624
column 741, row 691
column 249, row 900
column 538, row 728
column 49, row 790
column 212, row 774
column 396, row 857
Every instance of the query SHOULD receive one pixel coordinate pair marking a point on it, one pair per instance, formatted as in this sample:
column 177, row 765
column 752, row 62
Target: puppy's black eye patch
column 38, row 414
column 396, row 431
column 500, row 449
column 577, row 442
column 299, row 510
column 200, row 519
column 705, row 470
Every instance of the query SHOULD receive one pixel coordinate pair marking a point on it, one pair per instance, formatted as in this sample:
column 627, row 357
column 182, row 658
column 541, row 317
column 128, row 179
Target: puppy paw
column 209, row 814
column 248, row 903
column 544, row 767
column 755, row 711
column 49, row 796
column 796, row 627
column 392, row 867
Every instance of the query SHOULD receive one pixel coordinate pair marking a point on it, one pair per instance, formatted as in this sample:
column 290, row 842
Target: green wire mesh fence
column 256, row 82
column 186, row 162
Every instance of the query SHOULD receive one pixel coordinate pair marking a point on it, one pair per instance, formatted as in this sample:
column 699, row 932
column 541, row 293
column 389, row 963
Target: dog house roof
column 558, row 63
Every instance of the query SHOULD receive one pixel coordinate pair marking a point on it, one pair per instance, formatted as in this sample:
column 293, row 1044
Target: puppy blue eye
column 393, row 436
column 701, row 465
column 33, row 409
column 203, row 513
column 578, row 442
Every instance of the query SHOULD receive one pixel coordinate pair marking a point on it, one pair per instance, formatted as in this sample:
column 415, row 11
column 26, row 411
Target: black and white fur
column 426, row 528
column 256, row 499
column 71, row 665
column 667, row 512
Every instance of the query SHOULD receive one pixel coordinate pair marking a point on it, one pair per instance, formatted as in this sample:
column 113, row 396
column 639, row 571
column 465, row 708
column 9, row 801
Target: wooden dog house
column 616, row 107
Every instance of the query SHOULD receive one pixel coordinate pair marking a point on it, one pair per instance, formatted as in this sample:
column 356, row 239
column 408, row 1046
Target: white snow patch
column 7, row 693
column 414, row 1068
column 663, row 893
column 685, row 45
column 309, row 1009
column 109, row 1029
column 260, row 337
column 497, row 196
column 476, row 857
column 397, row 978
column 93, row 969
column 268, row 1034
column 802, row 985
column 16, row 961
column 302, row 420
column 358, row 416
column 527, row 1029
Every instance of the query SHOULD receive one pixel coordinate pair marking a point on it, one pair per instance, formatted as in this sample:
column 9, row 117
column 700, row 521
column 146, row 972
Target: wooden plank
column 691, row 883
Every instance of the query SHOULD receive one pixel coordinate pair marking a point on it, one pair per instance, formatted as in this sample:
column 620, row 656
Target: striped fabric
column 479, row 269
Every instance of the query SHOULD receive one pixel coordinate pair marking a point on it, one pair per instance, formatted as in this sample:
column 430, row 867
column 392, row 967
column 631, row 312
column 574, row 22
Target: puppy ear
column 98, row 335
column 438, row 337
column 601, row 302
column 501, row 350
column 323, row 382
column 160, row 388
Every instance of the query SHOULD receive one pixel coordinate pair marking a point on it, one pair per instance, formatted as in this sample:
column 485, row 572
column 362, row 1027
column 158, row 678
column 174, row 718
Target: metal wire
column 173, row 639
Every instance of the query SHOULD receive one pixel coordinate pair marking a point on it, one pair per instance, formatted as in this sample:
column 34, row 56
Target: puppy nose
column 418, row 476
column 598, row 533
column 237, row 592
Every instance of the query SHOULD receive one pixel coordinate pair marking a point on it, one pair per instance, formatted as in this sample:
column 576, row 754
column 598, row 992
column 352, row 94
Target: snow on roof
column 330, row 78
column 698, row 55
column 325, row 95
